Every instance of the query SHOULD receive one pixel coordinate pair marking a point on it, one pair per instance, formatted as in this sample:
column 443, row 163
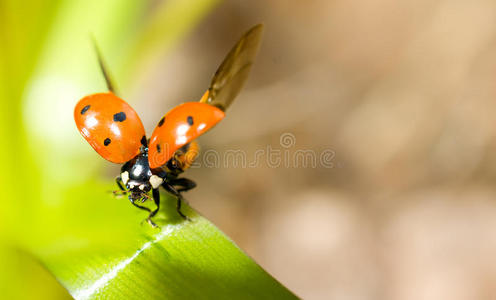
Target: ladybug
column 114, row 129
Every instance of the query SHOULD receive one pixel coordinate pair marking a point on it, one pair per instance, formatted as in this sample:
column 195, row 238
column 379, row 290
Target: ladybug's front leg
column 122, row 191
column 156, row 199
column 144, row 208
column 118, row 180
column 148, row 210
column 169, row 188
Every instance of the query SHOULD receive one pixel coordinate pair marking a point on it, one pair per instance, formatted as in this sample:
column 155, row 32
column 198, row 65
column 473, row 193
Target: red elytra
column 114, row 129
column 110, row 125
column 180, row 126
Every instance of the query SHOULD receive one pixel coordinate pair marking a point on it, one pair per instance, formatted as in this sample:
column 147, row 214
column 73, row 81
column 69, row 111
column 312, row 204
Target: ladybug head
column 138, row 195
column 135, row 174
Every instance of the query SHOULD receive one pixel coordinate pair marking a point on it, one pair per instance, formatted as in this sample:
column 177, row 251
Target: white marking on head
column 131, row 185
column 142, row 187
column 125, row 177
column 155, row 181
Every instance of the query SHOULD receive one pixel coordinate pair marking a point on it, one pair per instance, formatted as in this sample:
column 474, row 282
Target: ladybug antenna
column 103, row 68
column 118, row 193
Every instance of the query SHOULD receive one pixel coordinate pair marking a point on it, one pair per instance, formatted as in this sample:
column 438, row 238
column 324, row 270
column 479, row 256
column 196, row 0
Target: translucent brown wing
column 234, row 70
column 103, row 68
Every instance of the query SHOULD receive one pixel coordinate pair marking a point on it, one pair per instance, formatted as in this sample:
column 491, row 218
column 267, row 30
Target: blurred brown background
column 403, row 93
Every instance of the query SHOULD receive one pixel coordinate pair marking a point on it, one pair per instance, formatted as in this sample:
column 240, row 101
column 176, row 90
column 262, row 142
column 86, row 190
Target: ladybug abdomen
column 110, row 126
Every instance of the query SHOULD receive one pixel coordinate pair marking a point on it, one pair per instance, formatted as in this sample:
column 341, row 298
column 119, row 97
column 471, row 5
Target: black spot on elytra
column 143, row 141
column 158, row 148
column 190, row 120
column 85, row 109
column 107, row 142
column 120, row 117
column 161, row 122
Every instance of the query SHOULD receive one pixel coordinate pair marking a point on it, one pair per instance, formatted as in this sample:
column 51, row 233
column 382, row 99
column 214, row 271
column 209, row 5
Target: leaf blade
column 186, row 260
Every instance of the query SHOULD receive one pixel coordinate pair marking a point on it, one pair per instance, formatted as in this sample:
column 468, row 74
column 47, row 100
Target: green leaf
column 179, row 260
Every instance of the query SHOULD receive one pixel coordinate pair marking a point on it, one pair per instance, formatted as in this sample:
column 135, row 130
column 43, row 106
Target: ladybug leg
column 182, row 184
column 156, row 199
column 118, row 180
column 122, row 191
column 169, row 188
column 144, row 208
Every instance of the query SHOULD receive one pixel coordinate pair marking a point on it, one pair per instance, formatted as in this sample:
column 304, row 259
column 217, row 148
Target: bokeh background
column 402, row 92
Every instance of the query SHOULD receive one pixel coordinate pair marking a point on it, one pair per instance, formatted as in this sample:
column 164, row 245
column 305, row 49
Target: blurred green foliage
column 54, row 202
